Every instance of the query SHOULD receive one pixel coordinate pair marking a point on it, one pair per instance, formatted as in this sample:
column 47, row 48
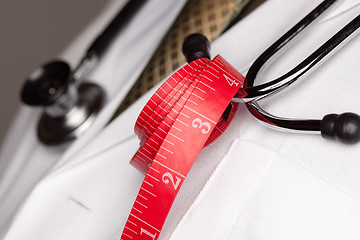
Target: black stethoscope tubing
column 329, row 126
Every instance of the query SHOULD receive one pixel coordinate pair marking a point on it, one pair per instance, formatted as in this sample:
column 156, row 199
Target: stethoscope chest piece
column 71, row 105
column 68, row 109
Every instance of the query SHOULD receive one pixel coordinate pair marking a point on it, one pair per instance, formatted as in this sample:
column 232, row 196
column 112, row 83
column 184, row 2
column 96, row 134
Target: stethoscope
column 70, row 105
column 69, row 109
column 344, row 127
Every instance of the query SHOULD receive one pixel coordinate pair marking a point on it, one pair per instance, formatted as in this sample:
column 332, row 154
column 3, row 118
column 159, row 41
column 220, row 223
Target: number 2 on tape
column 173, row 127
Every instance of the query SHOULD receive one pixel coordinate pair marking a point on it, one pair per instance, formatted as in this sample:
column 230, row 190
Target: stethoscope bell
column 68, row 110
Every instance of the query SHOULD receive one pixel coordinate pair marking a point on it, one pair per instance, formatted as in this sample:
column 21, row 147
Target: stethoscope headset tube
column 344, row 127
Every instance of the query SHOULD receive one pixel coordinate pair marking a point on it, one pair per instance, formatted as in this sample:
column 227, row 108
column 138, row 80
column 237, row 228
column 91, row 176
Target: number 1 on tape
column 173, row 128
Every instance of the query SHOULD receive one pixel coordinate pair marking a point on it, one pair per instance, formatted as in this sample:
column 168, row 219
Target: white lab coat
column 252, row 183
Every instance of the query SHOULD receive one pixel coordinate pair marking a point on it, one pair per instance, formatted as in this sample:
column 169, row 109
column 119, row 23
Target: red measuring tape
column 179, row 119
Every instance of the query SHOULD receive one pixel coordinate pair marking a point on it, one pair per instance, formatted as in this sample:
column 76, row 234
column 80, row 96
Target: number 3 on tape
column 173, row 127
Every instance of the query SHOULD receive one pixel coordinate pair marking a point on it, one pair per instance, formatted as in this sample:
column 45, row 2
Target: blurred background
column 31, row 33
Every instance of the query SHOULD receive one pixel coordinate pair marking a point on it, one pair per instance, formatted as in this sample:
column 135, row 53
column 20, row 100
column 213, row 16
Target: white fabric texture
column 276, row 185
column 252, row 183
column 23, row 160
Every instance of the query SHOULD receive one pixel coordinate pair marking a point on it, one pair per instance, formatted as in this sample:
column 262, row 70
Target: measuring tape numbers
column 173, row 127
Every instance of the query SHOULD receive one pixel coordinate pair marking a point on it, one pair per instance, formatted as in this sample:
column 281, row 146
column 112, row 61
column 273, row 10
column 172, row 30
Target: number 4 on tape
column 180, row 117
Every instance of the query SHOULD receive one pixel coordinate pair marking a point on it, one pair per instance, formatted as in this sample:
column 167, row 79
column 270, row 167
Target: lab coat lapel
column 18, row 179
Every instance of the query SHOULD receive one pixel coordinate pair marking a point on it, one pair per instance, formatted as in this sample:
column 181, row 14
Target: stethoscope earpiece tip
column 196, row 46
column 344, row 127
